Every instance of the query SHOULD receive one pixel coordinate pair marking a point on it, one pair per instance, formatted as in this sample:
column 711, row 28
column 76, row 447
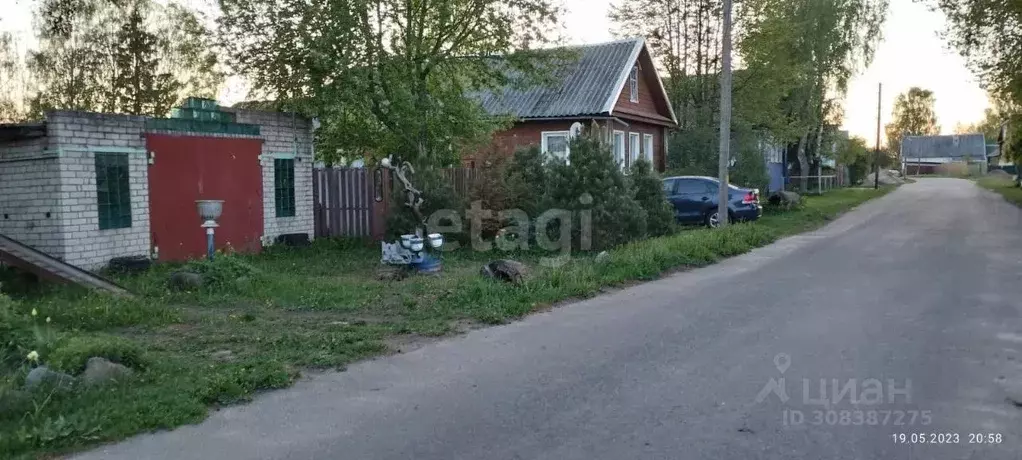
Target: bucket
column 429, row 265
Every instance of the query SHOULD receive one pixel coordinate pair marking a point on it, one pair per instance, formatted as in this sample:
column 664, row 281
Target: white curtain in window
column 647, row 147
column 555, row 143
column 619, row 148
column 633, row 149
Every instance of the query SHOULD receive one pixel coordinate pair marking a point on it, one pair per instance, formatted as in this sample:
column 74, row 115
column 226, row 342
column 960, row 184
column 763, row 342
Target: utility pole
column 876, row 154
column 725, row 117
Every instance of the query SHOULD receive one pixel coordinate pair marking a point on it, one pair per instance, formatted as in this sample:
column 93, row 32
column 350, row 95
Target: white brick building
column 53, row 182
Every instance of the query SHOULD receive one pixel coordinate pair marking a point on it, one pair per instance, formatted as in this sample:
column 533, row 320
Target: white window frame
column 567, row 139
column 633, row 84
column 634, row 148
column 647, row 147
column 620, row 150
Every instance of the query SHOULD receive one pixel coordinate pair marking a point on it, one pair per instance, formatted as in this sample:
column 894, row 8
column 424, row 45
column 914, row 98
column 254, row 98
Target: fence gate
column 349, row 202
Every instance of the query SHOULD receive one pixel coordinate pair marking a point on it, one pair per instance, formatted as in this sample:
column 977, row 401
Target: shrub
column 72, row 354
column 750, row 169
column 437, row 194
column 649, row 192
column 14, row 333
column 223, row 271
column 490, row 188
column 591, row 171
column 526, row 178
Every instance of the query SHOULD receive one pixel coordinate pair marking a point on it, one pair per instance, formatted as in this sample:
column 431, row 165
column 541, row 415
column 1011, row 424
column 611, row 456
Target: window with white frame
column 619, row 148
column 647, row 147
column 555, row 143
column 633, row 84
column 633, row 149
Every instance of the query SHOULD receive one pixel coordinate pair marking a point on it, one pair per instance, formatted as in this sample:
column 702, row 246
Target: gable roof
column 952, row 146
column 587, row 86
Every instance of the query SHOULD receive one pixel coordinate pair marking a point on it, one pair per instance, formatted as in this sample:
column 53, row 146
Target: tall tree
column 817, row 45
column 132, row 56
column 913, row 115
column 386, row 76
column 68, row 65
column 988, row 33
column 139, row 85
column 684, row 37
column 11, row 79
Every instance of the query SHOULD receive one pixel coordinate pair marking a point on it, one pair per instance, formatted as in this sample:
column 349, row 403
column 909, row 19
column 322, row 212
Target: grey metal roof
column 586, row 86
column 952, row 146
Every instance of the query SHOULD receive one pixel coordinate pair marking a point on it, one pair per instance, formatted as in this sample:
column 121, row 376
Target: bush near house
column 591, row 181
column 649, row 192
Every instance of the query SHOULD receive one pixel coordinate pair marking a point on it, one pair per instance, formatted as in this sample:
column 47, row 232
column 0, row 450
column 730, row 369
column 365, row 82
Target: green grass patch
column 1005, row 186
column 259, row 320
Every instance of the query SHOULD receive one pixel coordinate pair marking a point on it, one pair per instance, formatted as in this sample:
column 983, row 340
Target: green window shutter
column 284, row 186
column 113, row 192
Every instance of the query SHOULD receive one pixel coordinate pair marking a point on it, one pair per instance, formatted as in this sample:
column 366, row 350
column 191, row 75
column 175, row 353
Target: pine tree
column 591, row 180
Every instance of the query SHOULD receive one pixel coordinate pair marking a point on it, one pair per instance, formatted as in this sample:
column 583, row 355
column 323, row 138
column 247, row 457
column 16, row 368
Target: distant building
column 926, row 154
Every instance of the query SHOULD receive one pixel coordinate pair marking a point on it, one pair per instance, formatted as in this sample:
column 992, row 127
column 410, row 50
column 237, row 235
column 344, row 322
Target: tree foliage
column 804, row 52
column 796, row 60
column 129, row 56
column 649, row 193
column 386, row 76
column 988, row 34
column 913, row 115
column 11, row 80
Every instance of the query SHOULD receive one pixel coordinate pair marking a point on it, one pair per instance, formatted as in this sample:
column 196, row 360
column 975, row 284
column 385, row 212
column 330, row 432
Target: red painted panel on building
column 189, row 168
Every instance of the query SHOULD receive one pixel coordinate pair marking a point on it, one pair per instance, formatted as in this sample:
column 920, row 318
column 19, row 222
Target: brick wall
column 29, row 195
column 78, row 136
column 284, row 136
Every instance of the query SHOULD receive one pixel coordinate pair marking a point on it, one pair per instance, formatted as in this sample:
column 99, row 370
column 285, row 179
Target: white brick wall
column 78, row 136
column 30, row 209
column 48, row 193
column 284, row 134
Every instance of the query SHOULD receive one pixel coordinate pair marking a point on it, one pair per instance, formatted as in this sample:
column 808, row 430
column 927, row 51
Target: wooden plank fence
column 343, row 202
column 354, row 202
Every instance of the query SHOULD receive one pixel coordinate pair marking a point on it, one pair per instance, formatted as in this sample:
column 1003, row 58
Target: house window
column 284, row 186
column 633, row 84
column 113, row 193
column 619, row 148
column 556, row 143
column 633, row 149
column 647, row 147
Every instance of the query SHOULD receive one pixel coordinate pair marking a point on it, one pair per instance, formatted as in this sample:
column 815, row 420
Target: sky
column 911, row 54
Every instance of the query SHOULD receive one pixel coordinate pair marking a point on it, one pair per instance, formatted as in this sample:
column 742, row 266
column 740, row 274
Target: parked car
column 695, row 200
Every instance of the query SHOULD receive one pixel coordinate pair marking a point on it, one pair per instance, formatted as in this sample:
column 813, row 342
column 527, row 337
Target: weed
column 71, row 355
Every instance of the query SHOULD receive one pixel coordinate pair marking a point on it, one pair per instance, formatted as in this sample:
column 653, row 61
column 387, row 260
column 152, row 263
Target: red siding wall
column 529, row 133
column 189, row 168
column 651, row 100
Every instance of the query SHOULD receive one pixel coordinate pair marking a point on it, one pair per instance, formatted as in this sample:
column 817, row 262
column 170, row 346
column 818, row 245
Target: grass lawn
column 305, row 309
column 1003, row 185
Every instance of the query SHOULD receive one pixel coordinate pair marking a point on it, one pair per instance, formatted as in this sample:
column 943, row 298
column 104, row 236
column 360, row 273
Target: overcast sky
column 911, row 54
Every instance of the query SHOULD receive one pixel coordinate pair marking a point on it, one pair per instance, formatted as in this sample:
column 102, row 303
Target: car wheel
column 712, row 219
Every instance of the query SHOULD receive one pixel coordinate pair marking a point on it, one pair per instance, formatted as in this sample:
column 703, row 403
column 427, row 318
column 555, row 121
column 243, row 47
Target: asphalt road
column 915, row 296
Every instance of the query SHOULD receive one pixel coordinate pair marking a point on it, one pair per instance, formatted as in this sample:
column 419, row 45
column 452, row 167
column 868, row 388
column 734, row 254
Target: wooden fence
column 354, row 202
column 349, row 202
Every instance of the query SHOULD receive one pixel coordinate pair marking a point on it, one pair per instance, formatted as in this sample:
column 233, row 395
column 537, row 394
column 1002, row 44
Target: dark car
column 695, row 200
